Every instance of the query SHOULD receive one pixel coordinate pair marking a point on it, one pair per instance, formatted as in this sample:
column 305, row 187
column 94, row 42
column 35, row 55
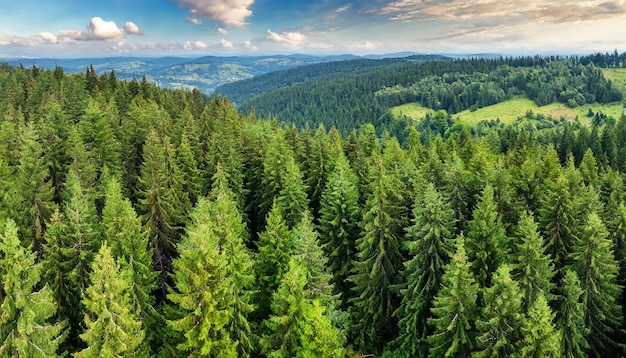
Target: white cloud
column 290, row 38
column 368, row 45
column 221, row 31
column 343, row 8
column 49, row 37
column 226, row 44
column 132, row 28
column 193, row 20
column 227, row 12
column 99, row 29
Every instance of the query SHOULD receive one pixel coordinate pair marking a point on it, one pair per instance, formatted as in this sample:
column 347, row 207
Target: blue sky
column 80, row 28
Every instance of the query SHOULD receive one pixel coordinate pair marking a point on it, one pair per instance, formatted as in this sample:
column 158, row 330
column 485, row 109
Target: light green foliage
column 131, row 247
column 429, row 242
column 556, row 217
column 454, row 308
column 541, row 338
column 26, row 325
column 292, row 196
column 298, row 325
column 112, row 323
column 276, row 245
column 500, row 327
column 202, row 291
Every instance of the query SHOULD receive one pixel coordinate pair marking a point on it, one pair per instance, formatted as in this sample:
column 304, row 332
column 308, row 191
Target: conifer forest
column 137, row 221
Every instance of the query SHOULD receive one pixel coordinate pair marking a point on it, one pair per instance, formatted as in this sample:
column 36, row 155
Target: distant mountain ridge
column 206, row 73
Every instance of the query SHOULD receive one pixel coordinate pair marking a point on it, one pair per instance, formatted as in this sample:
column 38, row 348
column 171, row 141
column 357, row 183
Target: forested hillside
column 353, row 97
column 138, row 221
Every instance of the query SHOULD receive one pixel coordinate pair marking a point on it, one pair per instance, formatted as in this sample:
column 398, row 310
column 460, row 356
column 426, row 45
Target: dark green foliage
column 486, row 242
column 378, row 262
column 338, row 224
column 454, row 308
column 429, row 244
column 594, row 262
column 571, row 318
column 533, row 268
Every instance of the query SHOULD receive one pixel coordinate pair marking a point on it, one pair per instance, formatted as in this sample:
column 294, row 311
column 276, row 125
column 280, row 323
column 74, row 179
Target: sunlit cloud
column 226, row 12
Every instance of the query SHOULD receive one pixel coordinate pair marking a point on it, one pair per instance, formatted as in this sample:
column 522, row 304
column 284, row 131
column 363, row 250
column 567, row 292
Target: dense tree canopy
column 154, row 222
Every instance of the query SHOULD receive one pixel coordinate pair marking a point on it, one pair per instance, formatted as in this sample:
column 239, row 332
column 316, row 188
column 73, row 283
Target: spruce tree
column 230, row 230
column 556, row 217
column 429, row 243
column 298, row 325
column 533, row 269
column 500, row 327
column 486, row 238
column 594, row 261
column 26, row 325
column 276, row 245
column 131, row 247
column 202, row 292
column 378, row 261
column 571, row 318
column 541, row 338
column 292, row 196
column 112, row 318
column 454, row 308
column 338, row 224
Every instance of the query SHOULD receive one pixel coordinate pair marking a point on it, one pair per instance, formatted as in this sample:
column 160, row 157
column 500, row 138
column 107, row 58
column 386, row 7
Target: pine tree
column 26, row 326
column 298, row 326
column 500, row 327
column 486, row 241
column 113, row 325
column 376, row 271
column 454, row 308
column 594, row 261
column 541, row 338
column 533, row 269
column 429, row 243
column 571, row 318
column 202, row 291
column 338, row 224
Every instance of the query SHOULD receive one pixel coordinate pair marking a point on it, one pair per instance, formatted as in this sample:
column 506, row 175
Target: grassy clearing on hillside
column 617, row 75
column 413, row 110
column 509, row 111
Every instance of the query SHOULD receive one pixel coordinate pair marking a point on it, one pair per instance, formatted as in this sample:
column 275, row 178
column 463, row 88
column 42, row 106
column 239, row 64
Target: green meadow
column 509, row 111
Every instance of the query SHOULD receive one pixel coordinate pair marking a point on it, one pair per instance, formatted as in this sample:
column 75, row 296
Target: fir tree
column 292, row 196
column 429, row 244
column 26, row 326
column 454, row 308
column 113, row 325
